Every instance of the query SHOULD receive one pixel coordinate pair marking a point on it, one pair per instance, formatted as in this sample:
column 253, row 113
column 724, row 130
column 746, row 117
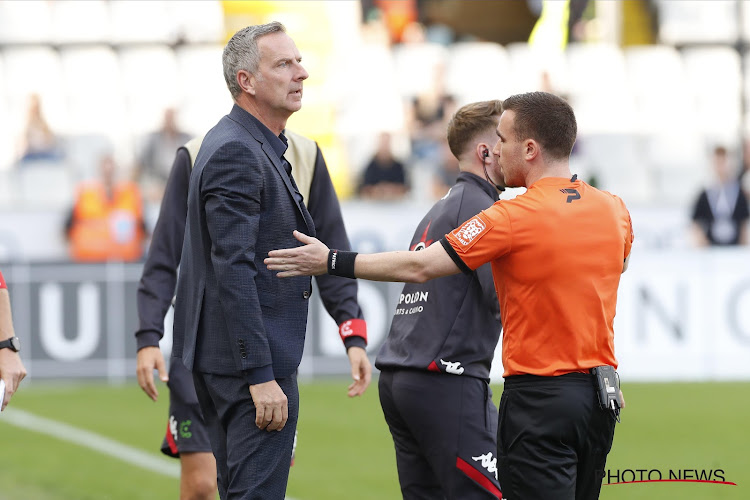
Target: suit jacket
column 236, row 315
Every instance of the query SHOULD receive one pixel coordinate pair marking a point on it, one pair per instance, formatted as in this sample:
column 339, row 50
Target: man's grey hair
column 241, row 53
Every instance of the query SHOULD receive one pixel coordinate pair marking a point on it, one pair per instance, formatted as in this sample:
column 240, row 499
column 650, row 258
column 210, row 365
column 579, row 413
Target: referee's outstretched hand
column 310, row 259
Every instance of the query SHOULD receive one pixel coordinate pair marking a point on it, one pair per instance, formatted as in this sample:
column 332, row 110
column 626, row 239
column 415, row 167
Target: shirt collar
column 482, row 183
column 278, row 143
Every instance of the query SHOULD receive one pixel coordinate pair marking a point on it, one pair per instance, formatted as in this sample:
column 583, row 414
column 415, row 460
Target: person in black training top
column 435, row 363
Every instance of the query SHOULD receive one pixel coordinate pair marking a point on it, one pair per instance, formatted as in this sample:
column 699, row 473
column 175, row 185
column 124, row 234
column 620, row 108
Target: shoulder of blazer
column 192, row 147
column 301, row 154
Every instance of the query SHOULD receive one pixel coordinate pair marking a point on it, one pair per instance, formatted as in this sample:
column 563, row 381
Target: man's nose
column 302, row 74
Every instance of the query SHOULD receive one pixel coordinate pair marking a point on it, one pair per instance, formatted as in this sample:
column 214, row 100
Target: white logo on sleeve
column 470, row 230
column 488, row 463
column 453, row 367
column 346, row 328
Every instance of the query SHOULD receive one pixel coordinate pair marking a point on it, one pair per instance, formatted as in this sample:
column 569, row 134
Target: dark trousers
column 443, row 429
column 553, row 439
column 252, row 464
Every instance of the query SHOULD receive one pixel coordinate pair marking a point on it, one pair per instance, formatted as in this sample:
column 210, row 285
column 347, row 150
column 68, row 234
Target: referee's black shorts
column 552, row 438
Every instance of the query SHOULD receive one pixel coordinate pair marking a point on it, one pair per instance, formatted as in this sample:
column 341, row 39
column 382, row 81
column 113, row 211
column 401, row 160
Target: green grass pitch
column 345, row 451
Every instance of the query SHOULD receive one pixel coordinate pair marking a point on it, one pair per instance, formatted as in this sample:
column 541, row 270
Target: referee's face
column 508, row 151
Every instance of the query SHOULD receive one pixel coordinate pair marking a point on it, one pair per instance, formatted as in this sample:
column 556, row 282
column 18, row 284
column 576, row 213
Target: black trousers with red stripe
column 553, row 439
column 444, row 431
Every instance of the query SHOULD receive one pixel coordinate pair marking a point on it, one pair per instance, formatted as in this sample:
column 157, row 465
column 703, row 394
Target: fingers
column 271, row 406
column 361, row 372
column 279, row 417
column 162, row 368
column 302, row 237
column 146, row 381
column 150, row 358
column 272, row 417
column 8, row 393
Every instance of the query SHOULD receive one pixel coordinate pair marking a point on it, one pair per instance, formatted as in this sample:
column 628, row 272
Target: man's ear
column 532, row 149
column 246, row 81
column 483, row 152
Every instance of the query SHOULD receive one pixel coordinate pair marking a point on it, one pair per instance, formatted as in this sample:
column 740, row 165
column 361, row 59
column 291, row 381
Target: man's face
column 509, row 152
column 280, row 74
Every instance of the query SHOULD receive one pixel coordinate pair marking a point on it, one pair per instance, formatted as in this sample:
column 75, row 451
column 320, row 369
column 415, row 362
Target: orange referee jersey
column 557, row 253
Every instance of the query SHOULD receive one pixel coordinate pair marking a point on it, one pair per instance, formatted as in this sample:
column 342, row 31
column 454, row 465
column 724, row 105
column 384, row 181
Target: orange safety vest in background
column 104, row 229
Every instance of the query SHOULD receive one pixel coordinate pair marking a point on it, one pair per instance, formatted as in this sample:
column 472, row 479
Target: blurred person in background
column 187, row 437
column 428, row 118
column 448, row 170
column 384, row 177
column 155, row 158
column 435, row 362
column 106, row 221
column 38, row 142
column 11, row 366
column 720, row 213
column 557, row 254
column 395, row 16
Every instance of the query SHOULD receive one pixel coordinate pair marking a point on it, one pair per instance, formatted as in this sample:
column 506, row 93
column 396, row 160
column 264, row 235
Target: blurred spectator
column 38, row 142
column 428, row 122
column 396, row 15
column 447, row 172
column 720, row 213
column 155, row 159
column 385, row 176
column 106, row 222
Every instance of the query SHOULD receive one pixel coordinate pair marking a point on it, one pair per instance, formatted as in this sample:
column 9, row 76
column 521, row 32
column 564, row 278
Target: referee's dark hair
column 545, row 118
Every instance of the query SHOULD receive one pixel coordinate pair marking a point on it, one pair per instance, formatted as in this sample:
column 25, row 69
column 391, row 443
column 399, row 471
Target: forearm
column 401, row 266
column 6, row 320
column 405, row 266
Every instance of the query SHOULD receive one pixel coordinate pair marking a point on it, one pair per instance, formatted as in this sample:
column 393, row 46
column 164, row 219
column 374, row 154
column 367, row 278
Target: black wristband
column 341, row 263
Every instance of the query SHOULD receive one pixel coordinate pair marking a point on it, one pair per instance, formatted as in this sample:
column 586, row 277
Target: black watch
column 13, row 343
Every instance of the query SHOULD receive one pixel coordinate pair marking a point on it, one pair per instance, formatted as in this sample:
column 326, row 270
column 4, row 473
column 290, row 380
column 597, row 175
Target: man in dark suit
column 243, row 328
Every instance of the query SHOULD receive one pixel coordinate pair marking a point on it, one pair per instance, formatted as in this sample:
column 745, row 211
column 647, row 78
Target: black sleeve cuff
column 258, row 375
column 454, row 256
column 355, row 341
column 147, row 339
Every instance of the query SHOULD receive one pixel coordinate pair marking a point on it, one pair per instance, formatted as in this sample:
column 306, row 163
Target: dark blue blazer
column 238, row 318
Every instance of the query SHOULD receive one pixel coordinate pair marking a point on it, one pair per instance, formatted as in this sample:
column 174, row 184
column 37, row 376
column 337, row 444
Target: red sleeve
column 2, row 282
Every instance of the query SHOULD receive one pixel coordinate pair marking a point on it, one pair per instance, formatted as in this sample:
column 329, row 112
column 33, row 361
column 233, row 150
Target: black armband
column 341, row 263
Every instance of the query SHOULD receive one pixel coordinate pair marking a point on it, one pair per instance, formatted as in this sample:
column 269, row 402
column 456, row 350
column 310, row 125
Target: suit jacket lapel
column 240, row 116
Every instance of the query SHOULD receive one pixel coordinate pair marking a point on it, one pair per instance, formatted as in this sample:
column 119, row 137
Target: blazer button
column 306, row 294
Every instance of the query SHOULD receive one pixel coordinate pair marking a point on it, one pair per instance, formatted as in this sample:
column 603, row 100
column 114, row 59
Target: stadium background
column 655, row 85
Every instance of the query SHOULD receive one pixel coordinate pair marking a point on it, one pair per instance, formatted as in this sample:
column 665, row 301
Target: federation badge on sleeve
column 470, row 230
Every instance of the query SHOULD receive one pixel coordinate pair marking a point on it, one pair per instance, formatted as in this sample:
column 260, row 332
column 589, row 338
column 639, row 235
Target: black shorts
column 553, row 439
column 186, row 432
column 444, row 431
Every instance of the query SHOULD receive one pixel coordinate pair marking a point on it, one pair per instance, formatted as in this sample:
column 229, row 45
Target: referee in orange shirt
column 557, row 253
